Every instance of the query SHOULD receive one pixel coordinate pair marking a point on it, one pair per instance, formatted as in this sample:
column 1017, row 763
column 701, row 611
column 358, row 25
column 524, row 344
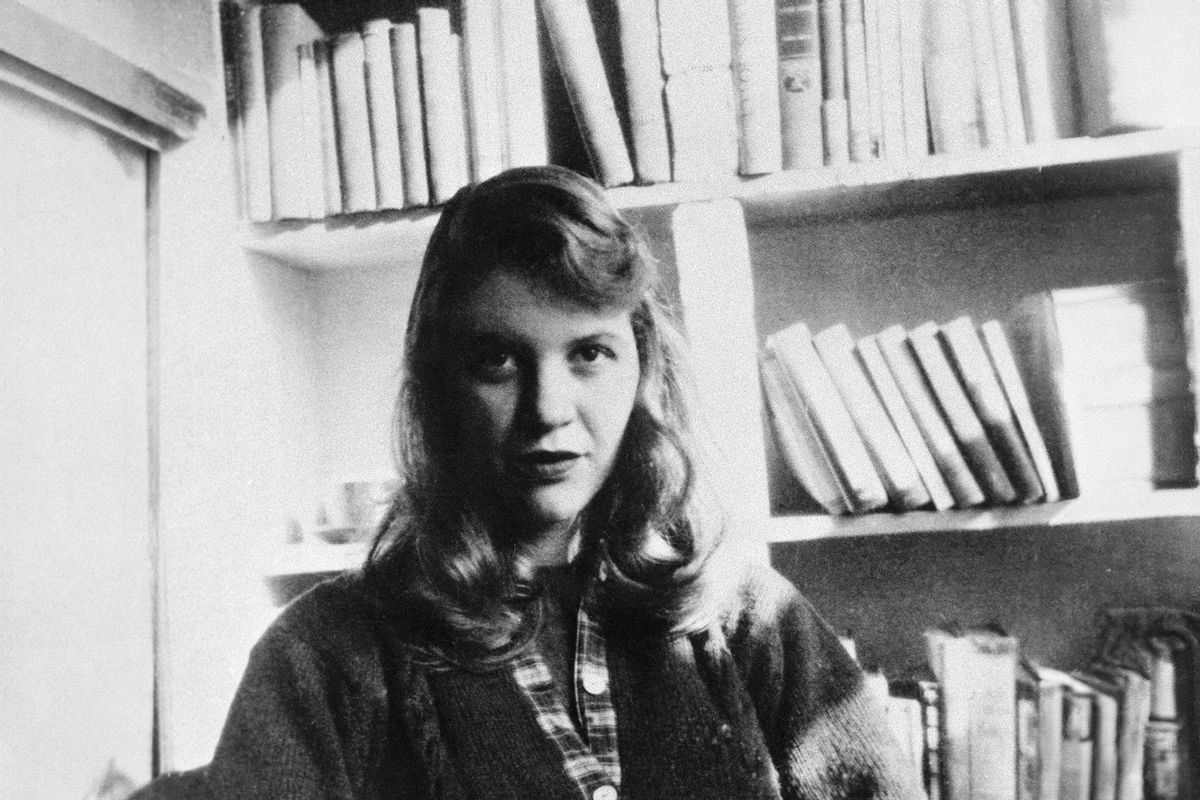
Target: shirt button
column 594, row 683
column 605, row 793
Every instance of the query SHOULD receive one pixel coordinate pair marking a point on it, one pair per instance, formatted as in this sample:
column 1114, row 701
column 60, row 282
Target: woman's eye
column 491, row 362
column 591, row 353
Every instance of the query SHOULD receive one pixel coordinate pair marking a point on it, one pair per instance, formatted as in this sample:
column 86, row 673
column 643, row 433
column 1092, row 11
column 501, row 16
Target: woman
column 552, row 608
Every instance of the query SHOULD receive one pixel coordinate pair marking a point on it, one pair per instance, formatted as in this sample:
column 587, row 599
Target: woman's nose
column 552, row 400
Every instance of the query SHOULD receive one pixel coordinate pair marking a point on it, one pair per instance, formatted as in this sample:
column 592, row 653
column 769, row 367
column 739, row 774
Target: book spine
column 1045, row 69
column 903, row 484
column 354, row 124
column 798, row 31
column 991, row 406
column 644, row 90
column 441, row 94
column 954, row 121
column 1006, row 71
column 410, row 115
column 1163, row 757
column 797, row 439
column 481, row 79
column 284, row 27
column 521, row 71
column 858, row 90
column 964, row 423
column 1028, row 762
column 912, row 78
column 835, row 113
column 893, row 343
column 573, row 40
column 906, row 426
column 987, row 75
column 694, row 34
column 1050, row 738
column 755, row 63
column 310, row 103
column 254, row 136
column 875, row 78
column 382, row 115
column 891, row 81
column 331, row 169
column 1005, row 364
column 1075, row 780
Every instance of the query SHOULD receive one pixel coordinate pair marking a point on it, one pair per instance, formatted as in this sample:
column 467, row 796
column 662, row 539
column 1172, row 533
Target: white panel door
column 76, row 572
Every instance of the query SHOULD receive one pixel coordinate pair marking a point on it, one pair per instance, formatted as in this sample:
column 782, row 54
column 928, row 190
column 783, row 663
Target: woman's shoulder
column 762, row 604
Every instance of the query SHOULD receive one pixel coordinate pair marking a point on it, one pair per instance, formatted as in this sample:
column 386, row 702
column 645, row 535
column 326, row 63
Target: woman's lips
column 546, row 466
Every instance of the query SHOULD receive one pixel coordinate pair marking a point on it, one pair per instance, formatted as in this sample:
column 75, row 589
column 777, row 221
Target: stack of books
column 982, row 722
column 1084, row 390
column 392, row 115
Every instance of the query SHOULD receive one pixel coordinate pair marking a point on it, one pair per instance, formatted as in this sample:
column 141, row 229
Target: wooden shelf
column 1110, row 507
column 1128, row 162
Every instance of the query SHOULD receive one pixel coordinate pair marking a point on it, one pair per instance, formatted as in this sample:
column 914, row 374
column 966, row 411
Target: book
column 1163, row 772
column 1006, row 71
column 861, row 484
column 924, row 689
column 410, row 115
column 1029, row 762
column 331, row 168
column 254, row 143
column 354, row 124
column 954, row 122
column 987, row 397
column 977, row 672
column 960, row 416
column 524, row 109
column 696, row 61
column 755, row 65
column 1002, row 359
column 1136, row 64
column 912, row 78
column 874, row 72
column 1134, row 693
column 644, row 91
column 835, row 113
column 905, row 491
column 310, row 106
column 573, row 40
column 908, row 730
column 1044, row 68
column 382, row 114
column 1050, row 693
column 858, row 90
column 798, row 440
column 893, row 343
column 285, row 26
column 1078, row 743
column 481, row 86
column 906, row 426
column 442, row 101
column 890, row 81
column 798, row 30
column 987, row 74
column 1106, row 708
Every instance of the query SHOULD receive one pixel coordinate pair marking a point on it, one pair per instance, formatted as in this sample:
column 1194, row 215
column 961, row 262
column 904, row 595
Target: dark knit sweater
column 767, row 705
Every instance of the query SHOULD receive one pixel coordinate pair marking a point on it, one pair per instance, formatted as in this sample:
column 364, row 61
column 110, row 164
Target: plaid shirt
column 590, row 756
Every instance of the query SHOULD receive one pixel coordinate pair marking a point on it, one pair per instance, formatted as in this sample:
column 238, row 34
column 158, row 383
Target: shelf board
column 312, row 558
column 1110, row 507
column 1126, row 162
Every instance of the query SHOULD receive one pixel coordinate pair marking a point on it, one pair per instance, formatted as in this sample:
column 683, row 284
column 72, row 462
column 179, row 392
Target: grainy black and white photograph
column 599, row 399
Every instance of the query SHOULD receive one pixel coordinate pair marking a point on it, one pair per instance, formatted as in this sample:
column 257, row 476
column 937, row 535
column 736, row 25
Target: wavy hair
column 462, row 592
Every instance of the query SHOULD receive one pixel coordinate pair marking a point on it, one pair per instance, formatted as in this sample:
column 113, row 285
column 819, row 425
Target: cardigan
column 765, row 704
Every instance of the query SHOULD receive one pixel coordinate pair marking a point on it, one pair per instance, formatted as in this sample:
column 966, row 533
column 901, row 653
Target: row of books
column 1083, row 390
column 376, row 118
column 982, row 722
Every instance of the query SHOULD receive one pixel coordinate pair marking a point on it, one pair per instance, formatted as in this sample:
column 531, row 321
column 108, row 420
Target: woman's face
column 544, row 388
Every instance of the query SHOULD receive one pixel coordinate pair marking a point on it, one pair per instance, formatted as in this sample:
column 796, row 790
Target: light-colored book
column 893, row 343
column 873, row 43
column 755, row 63
column 861, row 483
column 1006, row 71
column 1044, row 67
column 798, row 440
column 254, row 139
column 331, row 168
column 644, row 90
column 902, row 418
column 521, row 69
column 954, row 121
column 285, row 26
column 354, row 124
column 987, row 75
column 381, row 109
column 441, row 93
column 912, row 78
column 895, row 467
column 310, row 107
column 835, row 113
column 482, row 86
column 798, row 30
column 858, row 90
column 891, row 81
column 573, row 40
column 410, row 114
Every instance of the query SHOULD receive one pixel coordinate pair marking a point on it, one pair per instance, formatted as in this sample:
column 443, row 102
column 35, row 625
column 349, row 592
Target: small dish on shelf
column 337, row 534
